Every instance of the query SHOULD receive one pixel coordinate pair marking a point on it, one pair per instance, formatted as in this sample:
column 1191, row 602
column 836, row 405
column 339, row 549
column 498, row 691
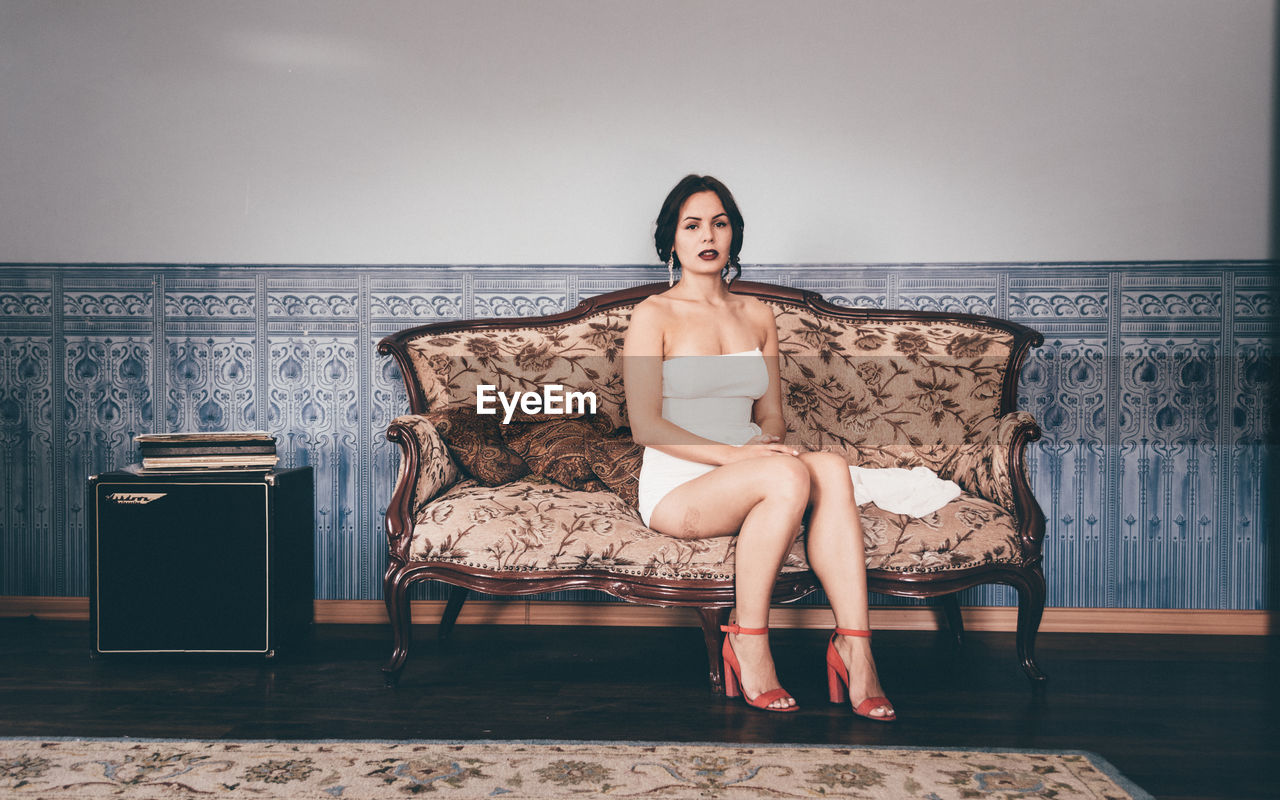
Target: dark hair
column 664, row 237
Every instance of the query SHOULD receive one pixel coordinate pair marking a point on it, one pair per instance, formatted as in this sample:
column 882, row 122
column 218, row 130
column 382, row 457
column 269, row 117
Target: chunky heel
column 835, row 687
column 733, row 674
column 732, row 683
column 838, row 681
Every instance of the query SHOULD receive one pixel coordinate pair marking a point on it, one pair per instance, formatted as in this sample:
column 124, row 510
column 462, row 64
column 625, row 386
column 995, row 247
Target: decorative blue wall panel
column 26, row 457
column 108, row 401
column 1153, row 387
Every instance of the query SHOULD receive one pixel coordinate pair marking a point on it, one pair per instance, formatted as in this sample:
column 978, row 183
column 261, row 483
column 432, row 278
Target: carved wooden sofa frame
column 1005, row 440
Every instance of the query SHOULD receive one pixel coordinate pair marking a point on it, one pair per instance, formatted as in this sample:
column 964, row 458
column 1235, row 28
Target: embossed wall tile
column 1254, row 440
column 1169, row 430
column 210, row 384
column 109, row 303
column 108, row 402
column 108, row 394
column 1056, row 295
column 18, row 301
column 1254, row 372
column 513, row 294
column 1064, row 386
column 1247, row 571
column 972, row 294
column 314, row 299
column 26, row 467
column 1165, row 303
column 417, row 305
column 857, row 300
column 313, row 404
column 1168, row 390
column 1163, row 295
column 950, row 302
column 188, row 303
column 602, row 281
column 514, row 304
column 864, row 292
column 1255, row 297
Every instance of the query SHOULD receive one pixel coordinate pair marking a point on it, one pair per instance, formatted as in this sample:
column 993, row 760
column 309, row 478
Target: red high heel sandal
column 838, row 681
column 733, row 675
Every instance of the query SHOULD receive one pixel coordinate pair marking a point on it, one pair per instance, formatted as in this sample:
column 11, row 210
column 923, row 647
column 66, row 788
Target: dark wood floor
column 1182, row 716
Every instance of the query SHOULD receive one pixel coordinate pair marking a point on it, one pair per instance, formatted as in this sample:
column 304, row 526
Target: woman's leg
column 763, row 500
column 836, row 553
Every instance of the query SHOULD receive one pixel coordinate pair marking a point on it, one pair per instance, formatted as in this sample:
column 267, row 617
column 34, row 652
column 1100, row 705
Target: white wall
column 505, row 131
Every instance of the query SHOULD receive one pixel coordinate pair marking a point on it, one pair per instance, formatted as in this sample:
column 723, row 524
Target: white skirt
column 660, row 473
column 916, row 492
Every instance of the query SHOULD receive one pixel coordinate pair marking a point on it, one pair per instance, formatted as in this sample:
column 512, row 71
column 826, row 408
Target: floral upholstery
column 524, row 526
column 966, row 532
column 983, row 468
column 585, row 355
column 437, row 470
column 882, row 392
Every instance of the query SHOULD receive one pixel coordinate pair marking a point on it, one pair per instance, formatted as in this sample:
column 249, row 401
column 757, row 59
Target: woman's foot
column 758, row 674
column 855, row 652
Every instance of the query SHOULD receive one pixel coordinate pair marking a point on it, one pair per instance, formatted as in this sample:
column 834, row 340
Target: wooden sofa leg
column 712, row 619
column 457, row 596
column 396, row 595
column 955, row 622
column 1031, row 595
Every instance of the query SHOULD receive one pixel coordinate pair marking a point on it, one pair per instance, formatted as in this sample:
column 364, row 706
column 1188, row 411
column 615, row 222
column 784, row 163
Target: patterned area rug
column 64, row 768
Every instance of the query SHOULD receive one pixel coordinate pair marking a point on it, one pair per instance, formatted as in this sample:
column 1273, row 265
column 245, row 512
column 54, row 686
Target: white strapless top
column 712, row 396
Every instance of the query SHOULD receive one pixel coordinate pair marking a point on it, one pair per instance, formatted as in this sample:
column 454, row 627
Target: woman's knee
column 785, row 478
column 822, row 463
column 827, row 469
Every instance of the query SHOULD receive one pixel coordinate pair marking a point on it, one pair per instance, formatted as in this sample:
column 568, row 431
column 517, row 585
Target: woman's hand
column 765, row 445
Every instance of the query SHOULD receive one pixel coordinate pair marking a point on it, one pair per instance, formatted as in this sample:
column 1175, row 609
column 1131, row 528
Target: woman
column 703, row 395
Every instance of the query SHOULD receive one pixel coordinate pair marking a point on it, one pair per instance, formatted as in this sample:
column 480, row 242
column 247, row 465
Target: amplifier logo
column 135, row 498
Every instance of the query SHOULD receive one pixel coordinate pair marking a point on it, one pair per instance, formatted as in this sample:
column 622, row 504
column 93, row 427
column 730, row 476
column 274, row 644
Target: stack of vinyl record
column 239, row 450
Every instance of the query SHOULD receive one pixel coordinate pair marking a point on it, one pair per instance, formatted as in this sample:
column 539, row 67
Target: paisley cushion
column 615, row 459
column 557, row 448
column 477, row 445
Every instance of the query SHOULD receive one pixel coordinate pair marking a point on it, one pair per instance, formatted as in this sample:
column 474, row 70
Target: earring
column 671, row 269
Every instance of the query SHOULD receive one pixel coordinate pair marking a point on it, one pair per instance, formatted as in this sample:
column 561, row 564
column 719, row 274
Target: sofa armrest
column 995, row 470
column 426, row 470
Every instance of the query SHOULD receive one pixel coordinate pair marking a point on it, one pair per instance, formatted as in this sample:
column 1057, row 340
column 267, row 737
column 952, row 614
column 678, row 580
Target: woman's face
column 703, row 234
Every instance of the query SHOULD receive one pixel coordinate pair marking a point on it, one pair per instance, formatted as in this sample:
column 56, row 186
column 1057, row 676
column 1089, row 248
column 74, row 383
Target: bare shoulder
column 756, row 307
column 758, row 312
column 651, row 310
column 645, row 329
column 760, row 316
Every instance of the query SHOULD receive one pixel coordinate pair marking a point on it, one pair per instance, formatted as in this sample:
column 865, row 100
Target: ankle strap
column 853, row 632
column 738, row 629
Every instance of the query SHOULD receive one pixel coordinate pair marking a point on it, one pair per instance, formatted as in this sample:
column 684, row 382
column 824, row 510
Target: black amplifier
column 210, row 561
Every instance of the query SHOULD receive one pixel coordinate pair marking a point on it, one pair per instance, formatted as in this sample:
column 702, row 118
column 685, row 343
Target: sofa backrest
column 886, row 388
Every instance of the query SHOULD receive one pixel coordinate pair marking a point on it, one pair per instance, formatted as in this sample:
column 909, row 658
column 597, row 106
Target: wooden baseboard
column 533, row 612
column 64, row 608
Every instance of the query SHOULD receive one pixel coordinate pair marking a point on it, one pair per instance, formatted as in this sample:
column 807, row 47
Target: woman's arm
column 642, row 379
column 767, row 411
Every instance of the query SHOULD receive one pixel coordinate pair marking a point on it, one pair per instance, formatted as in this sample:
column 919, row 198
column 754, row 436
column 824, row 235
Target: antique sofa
column 884, row 388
